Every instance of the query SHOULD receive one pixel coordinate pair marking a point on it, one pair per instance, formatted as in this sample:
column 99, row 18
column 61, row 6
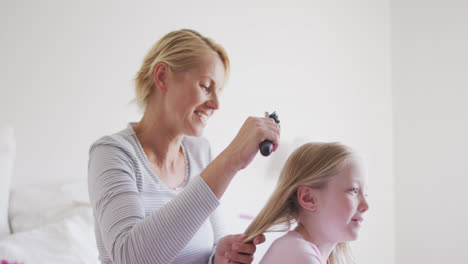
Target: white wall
column 67, row 69
column 430, row 102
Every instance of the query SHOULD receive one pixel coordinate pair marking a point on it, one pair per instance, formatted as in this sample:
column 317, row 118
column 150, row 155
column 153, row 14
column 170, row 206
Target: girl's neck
column 323, row 246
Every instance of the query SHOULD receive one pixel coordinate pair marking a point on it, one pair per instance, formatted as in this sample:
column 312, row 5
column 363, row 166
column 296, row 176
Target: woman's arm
column 238, row 155
column 128, row 236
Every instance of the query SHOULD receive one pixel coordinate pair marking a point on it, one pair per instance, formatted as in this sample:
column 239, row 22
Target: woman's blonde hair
column 312, row 164
column 180, row 50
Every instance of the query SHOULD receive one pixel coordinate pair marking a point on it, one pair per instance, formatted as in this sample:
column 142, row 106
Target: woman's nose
column 213, row 102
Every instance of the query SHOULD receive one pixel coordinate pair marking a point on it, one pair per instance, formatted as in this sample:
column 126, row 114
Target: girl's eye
column 354, row 190
column 205, row 87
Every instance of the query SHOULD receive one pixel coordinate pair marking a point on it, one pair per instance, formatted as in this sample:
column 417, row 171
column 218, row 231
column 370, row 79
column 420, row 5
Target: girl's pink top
column 292, row 248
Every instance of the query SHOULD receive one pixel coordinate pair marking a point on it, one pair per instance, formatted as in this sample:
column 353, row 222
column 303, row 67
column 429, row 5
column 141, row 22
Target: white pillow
column 7, row 156
column 36, row 205
column 70, row 240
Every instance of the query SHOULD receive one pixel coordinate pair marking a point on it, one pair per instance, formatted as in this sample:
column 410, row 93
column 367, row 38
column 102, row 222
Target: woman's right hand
column 245, row 145
column 242, row 150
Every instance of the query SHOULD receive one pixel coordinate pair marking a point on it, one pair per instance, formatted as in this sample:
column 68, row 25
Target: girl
column 322, row 188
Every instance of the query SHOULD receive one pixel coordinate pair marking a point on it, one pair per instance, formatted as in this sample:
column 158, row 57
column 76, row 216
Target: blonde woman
column 322, row 188
column 154, row 186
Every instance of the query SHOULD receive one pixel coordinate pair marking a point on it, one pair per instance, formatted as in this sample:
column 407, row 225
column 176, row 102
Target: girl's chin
column 353, row 236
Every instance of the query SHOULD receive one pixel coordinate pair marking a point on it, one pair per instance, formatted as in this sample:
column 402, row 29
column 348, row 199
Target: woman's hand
column 230, row 249
column 242, row 150
column 245, row 145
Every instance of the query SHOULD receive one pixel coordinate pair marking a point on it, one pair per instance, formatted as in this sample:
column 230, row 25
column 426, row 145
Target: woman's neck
column 312, row 235
column 161, row 145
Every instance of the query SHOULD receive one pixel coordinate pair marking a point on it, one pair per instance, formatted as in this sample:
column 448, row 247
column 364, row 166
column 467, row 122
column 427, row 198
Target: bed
column 48, row 223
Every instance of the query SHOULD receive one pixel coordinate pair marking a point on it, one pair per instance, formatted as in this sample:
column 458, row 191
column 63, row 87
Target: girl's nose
column 364, row 205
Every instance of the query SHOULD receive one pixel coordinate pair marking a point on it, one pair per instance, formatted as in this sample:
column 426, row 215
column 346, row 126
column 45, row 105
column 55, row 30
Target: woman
column 153, row 186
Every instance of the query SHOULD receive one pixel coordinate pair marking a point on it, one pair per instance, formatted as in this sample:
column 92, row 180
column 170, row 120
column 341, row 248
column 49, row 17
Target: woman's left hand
column 230, row 249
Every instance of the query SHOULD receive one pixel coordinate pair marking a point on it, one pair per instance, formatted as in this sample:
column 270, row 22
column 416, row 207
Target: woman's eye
column 354, row 190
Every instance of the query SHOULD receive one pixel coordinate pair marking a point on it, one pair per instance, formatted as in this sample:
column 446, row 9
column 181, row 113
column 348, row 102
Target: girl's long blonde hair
column 312, row 164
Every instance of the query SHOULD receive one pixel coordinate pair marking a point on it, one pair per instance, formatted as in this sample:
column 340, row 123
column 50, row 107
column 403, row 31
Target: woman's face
column 343, row 202
column 193, row 95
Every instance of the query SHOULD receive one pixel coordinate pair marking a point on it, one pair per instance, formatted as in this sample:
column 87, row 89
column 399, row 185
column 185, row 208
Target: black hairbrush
column 266, row 147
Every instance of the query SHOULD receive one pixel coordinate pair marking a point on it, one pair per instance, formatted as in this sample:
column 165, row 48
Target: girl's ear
column 160, row 76
column 307, row 198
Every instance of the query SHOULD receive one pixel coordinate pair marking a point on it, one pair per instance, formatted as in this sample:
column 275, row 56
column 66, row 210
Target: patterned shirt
column 139, row 219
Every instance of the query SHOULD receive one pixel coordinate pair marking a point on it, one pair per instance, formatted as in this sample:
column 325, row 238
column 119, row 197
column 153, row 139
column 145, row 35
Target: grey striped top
column 138, row 219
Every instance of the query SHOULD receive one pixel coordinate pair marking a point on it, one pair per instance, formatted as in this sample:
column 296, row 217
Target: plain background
column 430, row 114
column 388, row 78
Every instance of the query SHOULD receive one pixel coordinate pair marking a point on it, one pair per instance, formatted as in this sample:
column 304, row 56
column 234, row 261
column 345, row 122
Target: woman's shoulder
column 198, row 153
column 196, row 142
column 199, row 146
column 122, row 140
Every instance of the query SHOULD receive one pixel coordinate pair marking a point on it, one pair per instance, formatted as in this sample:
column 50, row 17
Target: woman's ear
column 307, row 198
column 160, row 76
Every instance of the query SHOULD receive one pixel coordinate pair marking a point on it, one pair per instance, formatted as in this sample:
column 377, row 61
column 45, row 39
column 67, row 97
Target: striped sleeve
column 219, row 229
column 128, row 236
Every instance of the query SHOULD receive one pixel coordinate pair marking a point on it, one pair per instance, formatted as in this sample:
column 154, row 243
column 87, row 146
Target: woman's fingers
column 273, row 132
column 259, row 239
column 244, row 248
column 232, row 249
column 258, row 129
column 236, row 257
column 243, row 252
column 254, row 131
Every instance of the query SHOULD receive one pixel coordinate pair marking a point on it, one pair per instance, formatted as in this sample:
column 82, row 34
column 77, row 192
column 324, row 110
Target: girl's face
column 193, row 94
column 343, row 202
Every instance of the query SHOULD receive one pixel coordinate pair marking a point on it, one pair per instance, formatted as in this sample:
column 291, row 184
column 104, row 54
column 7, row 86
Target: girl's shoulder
column 291, row 248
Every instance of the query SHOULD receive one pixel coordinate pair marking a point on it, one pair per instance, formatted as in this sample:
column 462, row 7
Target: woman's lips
column 202, row 116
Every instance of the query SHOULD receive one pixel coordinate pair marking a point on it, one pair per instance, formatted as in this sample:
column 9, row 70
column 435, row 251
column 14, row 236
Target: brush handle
column 266, row 147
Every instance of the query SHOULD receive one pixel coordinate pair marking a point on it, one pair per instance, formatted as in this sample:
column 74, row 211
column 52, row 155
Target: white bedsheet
column 51, row 224
column 70, row 240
